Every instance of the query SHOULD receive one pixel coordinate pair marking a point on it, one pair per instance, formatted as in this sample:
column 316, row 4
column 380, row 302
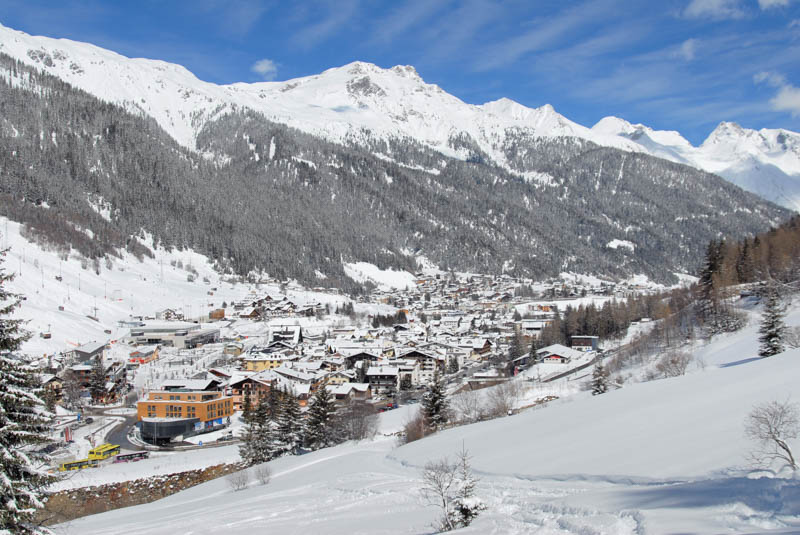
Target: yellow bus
column 104, row 451
column 77, row 465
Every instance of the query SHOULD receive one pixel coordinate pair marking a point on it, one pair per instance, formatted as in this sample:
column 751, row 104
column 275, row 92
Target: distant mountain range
column 357, row 164
column 349, row 103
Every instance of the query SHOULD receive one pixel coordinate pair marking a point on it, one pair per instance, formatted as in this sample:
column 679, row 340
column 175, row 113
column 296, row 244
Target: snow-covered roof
column 90, row 347
column 188, row 384
column 383, row 370
column 561, row 351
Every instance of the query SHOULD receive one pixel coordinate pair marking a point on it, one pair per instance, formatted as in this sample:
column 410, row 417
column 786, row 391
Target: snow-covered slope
column 766, row 162
column 361, row 100
column 666, row 456
column 62, row 293
column 338, row 104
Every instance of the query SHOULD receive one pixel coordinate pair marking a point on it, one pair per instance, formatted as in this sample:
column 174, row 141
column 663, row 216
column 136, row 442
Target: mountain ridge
column 361, row 100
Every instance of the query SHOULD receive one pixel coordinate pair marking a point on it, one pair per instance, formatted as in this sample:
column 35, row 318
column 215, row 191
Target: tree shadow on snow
column 775, row 495
column 738, row 362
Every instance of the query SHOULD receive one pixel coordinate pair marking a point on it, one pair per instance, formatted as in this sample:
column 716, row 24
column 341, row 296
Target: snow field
column 665, row 456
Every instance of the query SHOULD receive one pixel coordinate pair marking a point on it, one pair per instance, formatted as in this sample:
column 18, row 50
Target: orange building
column 143, row 355
column 165, row 415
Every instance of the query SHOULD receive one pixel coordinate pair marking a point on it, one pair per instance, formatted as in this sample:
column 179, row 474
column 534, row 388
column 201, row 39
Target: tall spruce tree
column 772, row 330
column 320, row 422
column 247, row 406
column 434, row 404
column 23, row 423
column 257, row 440
column 97, row 380
column 599, row 379
column 289, row 427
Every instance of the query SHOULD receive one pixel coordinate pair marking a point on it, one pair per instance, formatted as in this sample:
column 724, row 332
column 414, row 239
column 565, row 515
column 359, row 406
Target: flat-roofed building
column 179, row 334
column 166, row 414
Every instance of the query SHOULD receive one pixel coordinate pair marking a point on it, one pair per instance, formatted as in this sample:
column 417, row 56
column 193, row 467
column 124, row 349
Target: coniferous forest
column 89, row 176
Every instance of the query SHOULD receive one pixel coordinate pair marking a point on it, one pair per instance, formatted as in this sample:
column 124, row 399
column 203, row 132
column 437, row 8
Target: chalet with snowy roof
column 250, row 313
column 430, row 363
column 585, row 343
column 346, row 392
column 89, row 351
column 359, row 356
column 169, row 314
column 289, row 334
column 256, row 361
column 530, row 328
column 383, row 378
column 451, row 322
column 340, row 377
column 558, row 353
column 53, row 384
column 298, row 376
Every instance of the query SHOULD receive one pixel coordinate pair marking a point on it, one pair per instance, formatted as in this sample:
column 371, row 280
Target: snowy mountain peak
column 363, row 99
column 727, row 130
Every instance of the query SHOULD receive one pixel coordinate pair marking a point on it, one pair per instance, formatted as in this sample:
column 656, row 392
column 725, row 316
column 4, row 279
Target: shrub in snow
column 263, row 474
column 414, row 429
column 238, row 480
column 450, row 486
column 674, row 364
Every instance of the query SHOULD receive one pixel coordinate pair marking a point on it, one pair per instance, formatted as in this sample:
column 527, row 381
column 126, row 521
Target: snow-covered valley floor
column 667, row 456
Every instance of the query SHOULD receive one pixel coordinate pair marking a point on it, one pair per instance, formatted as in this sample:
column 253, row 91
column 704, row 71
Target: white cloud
column 265, row 68
column 766, row 4
column 788, row 96
column 787, row 99
column 688, row 49
column 339, row 14
column 715, row 9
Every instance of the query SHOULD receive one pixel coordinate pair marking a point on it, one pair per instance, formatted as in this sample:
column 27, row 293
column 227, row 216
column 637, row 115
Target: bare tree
column 502, row 398
column 438, row 479
column 238, row 480
column 414, row 429
column 771, row 425
column 357, row 421
column 674, row 364
column 450, row 486
column 263, row 473
column 468, row 407
column 72, row 391
column 792, row 337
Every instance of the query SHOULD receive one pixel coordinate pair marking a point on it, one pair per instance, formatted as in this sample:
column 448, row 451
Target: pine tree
column 319, row 427
column 97, row 380
column 533, row 349
column 434, row 404
column 599, row 379
column 247, row 406
column 772, row 331
column 289, row 428
column 466, row 506
column 257, row 440
column 452, row 365
column 22, row 423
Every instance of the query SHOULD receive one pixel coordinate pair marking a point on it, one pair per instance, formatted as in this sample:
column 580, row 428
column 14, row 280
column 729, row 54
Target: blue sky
column 671, row 64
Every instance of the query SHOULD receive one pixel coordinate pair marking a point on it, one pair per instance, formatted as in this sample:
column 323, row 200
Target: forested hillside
column 87, row 175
